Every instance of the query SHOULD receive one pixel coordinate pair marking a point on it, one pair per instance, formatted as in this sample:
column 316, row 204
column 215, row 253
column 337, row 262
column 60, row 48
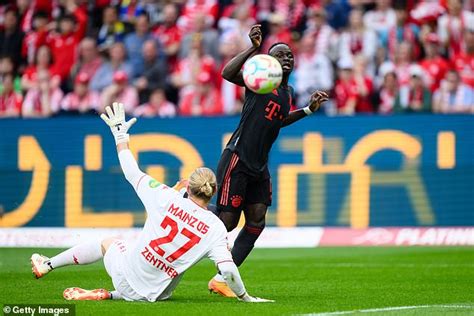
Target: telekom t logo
column 272, row 109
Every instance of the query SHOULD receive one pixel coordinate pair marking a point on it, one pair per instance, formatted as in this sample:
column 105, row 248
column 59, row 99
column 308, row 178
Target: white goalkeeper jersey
column 176, row 235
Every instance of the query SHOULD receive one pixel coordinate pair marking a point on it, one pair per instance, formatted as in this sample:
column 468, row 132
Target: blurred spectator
column 231, row 94
column 169, row 35
column 343, row 89
column 43, row 62
column 337, row 13
column 434, row 65
column 362, row 88
column 381, row 19
column 157, row 106
column 185, row 75
column 358, row 39
column 402, row 63
column 453, row 96
column 153, row 9
column 208, row 35
column 117, row 61
column 27, row 8
column 10, row 100
column 294, row 13
column 11, row 37
column 414, row 97
column 6, row 68
column 81, row 100
column 72, row 27
column 317, row 27
column 403, row 31
column 130, row 10
column 385, row 98
column 202, row 100
column 44, row 99
column 426, row 14
column 230, row 10
column 313, row 72
column 155, row 71
column 89, row 60
column 134, row 42
column 207, row 8
column 112, row 29
column 37, row 37
column 464, row 61
column 120, row 91
column 238, row 24
column 277, row 32
column 451, row 26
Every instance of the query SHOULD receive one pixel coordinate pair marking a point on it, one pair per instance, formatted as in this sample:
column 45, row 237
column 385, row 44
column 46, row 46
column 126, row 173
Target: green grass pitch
column 301, row 281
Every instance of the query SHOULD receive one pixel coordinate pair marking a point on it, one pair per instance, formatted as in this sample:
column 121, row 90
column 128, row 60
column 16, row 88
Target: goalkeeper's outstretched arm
column 115, row 119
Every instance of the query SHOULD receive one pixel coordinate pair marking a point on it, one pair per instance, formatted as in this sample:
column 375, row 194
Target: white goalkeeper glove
column 252, row 299
column 116, row 121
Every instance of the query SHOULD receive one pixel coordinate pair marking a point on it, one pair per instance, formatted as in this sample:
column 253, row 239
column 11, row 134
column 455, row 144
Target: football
column 262, row 73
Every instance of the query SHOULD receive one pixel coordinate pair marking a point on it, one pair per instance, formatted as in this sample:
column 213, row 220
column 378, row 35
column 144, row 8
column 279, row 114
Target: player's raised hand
column 316, row 99
column 255, row 35
column 115, row 119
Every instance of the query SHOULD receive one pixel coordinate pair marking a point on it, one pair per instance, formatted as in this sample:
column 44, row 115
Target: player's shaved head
column 279, row 45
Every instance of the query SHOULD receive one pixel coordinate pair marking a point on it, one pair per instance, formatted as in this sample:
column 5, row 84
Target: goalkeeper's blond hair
column 203, row 184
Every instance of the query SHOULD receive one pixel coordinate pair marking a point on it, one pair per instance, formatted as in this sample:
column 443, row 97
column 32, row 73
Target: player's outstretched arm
column 233, row 69
column 115, row 119
column 317, row 98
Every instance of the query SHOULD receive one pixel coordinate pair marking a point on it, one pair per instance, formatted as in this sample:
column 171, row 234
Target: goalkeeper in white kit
column 177, row 234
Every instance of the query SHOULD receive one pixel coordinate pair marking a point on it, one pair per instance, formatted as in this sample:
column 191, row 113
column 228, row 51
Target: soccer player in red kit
column 242, row 173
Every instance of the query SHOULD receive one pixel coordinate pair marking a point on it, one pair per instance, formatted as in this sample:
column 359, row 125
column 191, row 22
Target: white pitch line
column 387, row 309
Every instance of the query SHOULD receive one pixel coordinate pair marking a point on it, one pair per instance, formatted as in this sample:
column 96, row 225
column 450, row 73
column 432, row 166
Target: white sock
column 219, row 278
column 114, row 295
column 85, row 253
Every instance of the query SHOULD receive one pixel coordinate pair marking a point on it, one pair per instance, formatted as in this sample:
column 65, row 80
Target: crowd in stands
column 162, row 58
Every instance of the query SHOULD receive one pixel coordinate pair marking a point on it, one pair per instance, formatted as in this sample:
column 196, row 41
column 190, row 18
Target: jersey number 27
column 169, row 222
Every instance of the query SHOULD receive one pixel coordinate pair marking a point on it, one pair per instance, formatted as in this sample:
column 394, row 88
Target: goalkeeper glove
column 116, row 121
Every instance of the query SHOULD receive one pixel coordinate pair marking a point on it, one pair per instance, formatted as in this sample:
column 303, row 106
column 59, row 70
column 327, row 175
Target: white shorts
column 113, row 262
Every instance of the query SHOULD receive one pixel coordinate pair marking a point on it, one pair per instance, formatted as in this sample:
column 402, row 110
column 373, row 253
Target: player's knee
column 230, row 221
column 256, row 216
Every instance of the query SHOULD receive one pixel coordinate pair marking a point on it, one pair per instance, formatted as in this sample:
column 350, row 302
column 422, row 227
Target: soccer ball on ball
column 262, row 73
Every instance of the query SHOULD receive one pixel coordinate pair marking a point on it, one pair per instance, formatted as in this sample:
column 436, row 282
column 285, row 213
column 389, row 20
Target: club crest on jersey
column 153, row 183
column 236, row 200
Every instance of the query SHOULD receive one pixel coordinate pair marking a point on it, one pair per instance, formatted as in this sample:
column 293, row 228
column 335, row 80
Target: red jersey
column 284, row 36
column 207, row 104
column 342, row 91
column 10, row 104
column 435, row 69
column 464, row 64
column 31, row 43
column 31, row 72
column 169, row 35
column 64, row 46
column 349, row 90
